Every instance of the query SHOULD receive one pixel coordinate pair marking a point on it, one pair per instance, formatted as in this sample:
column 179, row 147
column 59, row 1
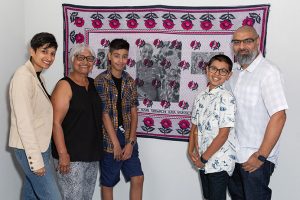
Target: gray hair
column 77, row 49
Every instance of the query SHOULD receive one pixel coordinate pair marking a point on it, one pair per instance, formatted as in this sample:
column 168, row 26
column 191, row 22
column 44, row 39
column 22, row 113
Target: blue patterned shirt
column 213, row 110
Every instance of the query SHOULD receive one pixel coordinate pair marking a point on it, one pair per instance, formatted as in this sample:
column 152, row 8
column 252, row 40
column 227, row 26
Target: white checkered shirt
column 259, row 94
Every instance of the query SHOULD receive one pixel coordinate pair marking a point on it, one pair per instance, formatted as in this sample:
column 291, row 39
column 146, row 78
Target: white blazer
column 31, row 115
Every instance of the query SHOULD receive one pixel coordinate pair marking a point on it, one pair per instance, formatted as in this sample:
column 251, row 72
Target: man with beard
column 258, row 88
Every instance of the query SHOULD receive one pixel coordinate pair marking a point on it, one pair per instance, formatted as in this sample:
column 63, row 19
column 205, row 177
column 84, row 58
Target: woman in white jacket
column 32, row 119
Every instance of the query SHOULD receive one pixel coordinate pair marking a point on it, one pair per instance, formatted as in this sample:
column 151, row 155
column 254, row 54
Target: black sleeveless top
column 82, row 125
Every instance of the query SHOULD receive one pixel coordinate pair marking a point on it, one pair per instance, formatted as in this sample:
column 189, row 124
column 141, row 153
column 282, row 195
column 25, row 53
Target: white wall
column 12, row 54
column 168, row 174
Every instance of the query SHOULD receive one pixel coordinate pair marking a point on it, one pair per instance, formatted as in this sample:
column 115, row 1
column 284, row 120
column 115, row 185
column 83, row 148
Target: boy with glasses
column 212, row 140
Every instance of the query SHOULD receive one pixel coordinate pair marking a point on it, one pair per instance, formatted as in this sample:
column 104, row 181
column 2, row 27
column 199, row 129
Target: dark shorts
column 110, row 168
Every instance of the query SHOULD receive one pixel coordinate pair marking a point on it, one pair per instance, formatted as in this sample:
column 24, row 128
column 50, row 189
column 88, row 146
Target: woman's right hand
column 40, row 172
column 64, row 163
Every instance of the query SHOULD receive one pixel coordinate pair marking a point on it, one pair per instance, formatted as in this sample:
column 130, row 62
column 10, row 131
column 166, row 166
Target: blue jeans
column 38, row 187
column 214, row 185
column 251, row 186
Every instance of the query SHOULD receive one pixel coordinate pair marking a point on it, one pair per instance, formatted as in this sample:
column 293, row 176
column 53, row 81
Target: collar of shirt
column 125, row 78
column 214, row 91
column 109, row 75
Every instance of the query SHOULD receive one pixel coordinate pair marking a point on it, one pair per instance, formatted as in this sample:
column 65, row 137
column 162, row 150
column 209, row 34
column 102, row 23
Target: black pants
column 214, row 185
column 251, row 186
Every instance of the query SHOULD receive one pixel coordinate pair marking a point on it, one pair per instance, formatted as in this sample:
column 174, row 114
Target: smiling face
column 214, row 72
column 83, row 63
column 245, row 45
column 42, row 57
column 118, row 59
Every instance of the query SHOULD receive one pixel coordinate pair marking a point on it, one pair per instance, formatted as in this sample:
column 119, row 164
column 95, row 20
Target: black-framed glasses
column 222, row 71
column 245, row 41
column 88, row 58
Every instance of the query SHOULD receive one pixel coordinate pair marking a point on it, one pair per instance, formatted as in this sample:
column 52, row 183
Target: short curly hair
column 40, row 39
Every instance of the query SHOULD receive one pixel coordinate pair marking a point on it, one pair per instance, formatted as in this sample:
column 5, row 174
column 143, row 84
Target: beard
column 246, row 58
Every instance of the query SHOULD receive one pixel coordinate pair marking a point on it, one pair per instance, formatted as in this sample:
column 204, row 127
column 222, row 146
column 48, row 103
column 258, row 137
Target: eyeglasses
column 88, row 58
column 222, row 72
column 246, row 41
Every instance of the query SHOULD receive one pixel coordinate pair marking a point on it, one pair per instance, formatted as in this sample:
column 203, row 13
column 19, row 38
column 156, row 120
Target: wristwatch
column 132, row 142
column 262, row 158
column 203, row 160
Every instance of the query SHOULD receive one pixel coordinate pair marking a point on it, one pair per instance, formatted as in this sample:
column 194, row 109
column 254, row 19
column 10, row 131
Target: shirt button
column 30, row 162
column 29, row 157
column 31, row 167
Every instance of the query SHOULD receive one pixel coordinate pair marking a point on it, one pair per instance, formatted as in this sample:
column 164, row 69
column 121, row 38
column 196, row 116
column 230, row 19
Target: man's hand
column 40, row 172
column 252, row 163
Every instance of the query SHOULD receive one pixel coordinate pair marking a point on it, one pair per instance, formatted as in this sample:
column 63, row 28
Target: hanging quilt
column 169, row 49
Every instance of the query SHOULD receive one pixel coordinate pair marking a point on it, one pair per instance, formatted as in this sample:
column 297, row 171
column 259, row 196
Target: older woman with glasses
column 77, row 132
